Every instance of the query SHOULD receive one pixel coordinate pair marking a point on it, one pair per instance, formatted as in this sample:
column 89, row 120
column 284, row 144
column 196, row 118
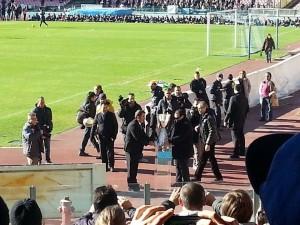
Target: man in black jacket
column 106, row 127
column 229, row 91
column 128, row 108
column 268, row 46
column 217, row 97
column 235, row 119
column 44, row 116
column 135, row 141
column 209, row 138
column 157, row 93
column 90, row 109
column 182, row 99
column 181, row 139
column 198, row 86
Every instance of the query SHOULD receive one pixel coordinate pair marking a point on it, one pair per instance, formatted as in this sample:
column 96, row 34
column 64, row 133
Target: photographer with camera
column 128, row 107
column 44, row 117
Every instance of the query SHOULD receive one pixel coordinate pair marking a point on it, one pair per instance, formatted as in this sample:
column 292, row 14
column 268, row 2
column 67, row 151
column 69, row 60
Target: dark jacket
column 32, row 141
column 229, row 89
column 165, row 106
column 181, row 138
column 237, row 111
column 135, row 139
column 87, row 219
column 199, row 88
column 194, row 117
column 208, row 129
column 183, row 101
column 268, row 45
column 157, row 95
column 127, row 113
column 44, row 116
column 216, row 92
column 105, row 125
column 90, row 109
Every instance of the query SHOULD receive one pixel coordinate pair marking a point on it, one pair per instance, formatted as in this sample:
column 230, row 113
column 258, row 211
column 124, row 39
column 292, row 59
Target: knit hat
column 273, row 165
column 26, row 212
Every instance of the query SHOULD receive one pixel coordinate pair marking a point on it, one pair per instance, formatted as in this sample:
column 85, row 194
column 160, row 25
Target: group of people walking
column 170, row 122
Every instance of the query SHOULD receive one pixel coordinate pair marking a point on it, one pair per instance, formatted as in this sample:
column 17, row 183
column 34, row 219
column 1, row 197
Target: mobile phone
column 182, row 220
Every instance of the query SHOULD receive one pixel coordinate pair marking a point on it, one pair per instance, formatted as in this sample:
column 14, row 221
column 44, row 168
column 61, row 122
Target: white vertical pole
column 208, row 34
column 235, row 28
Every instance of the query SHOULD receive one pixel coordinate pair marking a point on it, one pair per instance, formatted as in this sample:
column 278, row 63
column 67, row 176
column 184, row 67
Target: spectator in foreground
column 236, row 204
column 26, row 212
column 103, row 196
column 272, row 163
column 111, row 215
column 4, row 212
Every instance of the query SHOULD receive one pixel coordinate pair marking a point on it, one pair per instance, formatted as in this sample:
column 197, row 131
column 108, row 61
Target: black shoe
column 234, row 157
column 98, row 157
column 134, row 187
column 218, row 179
column 48, row 161
column 83, row 154
column 195, row 180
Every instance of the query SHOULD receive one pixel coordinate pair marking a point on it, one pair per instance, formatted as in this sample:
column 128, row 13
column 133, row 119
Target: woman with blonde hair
column 111, row 215
column 237, row 204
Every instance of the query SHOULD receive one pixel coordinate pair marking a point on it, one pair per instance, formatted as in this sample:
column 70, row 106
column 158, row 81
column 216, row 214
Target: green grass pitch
column 64, row 61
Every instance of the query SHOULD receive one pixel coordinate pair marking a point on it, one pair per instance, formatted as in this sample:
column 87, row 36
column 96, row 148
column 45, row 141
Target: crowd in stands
column 184, row 19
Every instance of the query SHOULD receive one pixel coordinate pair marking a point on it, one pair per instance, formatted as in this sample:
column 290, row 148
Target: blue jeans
column 268, row 55
column 266, row 109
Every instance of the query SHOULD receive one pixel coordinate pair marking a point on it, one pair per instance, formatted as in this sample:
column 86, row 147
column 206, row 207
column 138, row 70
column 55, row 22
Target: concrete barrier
column 53, row 182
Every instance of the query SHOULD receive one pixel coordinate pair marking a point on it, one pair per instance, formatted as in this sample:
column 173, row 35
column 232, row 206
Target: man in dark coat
column 181, row 139
column 268, row 46
column 128, row 108
column 229, row 91
column 135, row 141
column 182, row 99
column 235, row 119
column 209, row 138
column 198, row 86
column 157, row 93
column 32, row 140
column 106, row 127
column 217, row 97
column 44, row 116
column 90, row 109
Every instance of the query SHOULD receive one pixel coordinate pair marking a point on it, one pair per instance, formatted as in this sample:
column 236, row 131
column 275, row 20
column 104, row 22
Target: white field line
column 144, row 75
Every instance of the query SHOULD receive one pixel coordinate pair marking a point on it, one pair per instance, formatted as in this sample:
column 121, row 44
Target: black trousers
column 213, row 162
column 226, row 105
column 86, row 137
column 43, row 20
column 107, row 152
column 238, row 139
column 182, row 170
column 46, row 141
column 132, row 167
column 217, row 108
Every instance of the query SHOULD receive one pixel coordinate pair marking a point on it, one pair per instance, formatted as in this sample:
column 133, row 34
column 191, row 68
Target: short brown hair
column 237, row 204
column 111, row 215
